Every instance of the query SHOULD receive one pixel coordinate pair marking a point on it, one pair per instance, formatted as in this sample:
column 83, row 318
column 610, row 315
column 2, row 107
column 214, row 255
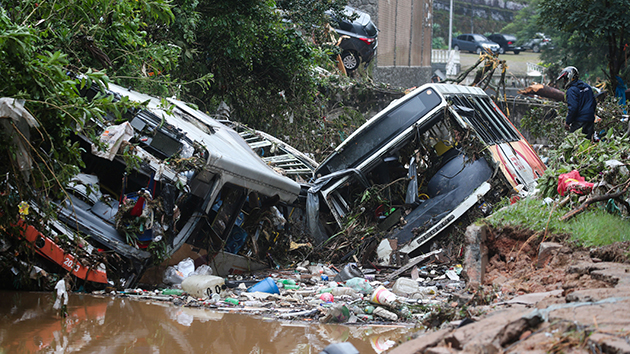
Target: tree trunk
column 543, row 91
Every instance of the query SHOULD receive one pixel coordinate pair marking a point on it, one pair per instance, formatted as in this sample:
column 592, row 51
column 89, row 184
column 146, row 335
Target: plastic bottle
column 291, row 287
column 381, row 312
column 203, row 286
column 405, row 286
column 172, row 292
column 344, row 290
column 286, row 282
column 252, row 303
column 231, row 300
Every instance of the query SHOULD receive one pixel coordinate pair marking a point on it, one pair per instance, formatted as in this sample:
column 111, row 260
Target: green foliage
column 546, row 122
column 531, row 213
column 120, row 37
column 578, row 153
column 260, row 54
column 591, row 26
column 49, row 53
column 438, row 43
column 38, row 77
column 526, row 23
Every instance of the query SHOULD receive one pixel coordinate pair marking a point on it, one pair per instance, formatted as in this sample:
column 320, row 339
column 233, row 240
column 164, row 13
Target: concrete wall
column 405, row 77
column 403, row 57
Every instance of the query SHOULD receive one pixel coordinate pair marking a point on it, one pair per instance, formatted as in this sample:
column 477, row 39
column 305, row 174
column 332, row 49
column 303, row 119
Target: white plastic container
column 381, row 312
column 405, row 286
column 203, row 286
column 382, row 296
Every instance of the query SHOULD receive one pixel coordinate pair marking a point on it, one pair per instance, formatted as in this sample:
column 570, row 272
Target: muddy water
column 113, row 325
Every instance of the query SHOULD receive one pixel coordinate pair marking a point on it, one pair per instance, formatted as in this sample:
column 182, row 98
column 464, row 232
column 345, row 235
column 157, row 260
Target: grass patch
column 594, row 227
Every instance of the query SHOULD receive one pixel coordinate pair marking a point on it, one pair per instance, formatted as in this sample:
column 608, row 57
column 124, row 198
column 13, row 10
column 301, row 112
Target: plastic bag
column 172, row 276
column 359, row 284
column 338, row 313
column 186, row 266
column 112, row 137
column 573, row 182
column 62, row 295
column 203, row 269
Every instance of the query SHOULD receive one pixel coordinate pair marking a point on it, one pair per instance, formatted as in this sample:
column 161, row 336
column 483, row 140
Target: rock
column 476, row 254
column 525, row 334
column 593, row 295
column 420, row 344
column 609, row 343
column 439, row 350
column 546, row 251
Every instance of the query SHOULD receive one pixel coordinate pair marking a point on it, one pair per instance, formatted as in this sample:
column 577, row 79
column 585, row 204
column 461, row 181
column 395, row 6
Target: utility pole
column 450, row 26
column 472, row 14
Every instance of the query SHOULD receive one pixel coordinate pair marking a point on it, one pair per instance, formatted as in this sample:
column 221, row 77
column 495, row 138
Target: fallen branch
column 543, row 91
column 596, row 199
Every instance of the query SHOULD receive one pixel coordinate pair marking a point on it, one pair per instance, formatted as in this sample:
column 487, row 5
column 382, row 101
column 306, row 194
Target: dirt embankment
column 547, row 297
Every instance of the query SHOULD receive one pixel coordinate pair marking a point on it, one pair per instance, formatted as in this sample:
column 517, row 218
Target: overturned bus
column 165, row 176
column 450, row 145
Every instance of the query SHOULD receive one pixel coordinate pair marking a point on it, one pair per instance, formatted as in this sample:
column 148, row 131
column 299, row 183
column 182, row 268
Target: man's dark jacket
column 581, row 102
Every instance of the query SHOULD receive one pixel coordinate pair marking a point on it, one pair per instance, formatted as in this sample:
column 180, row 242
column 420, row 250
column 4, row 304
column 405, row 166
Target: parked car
column 360, row 46
column 537, row 43
column 507, row 43
column 474, row 43
column 450, row 144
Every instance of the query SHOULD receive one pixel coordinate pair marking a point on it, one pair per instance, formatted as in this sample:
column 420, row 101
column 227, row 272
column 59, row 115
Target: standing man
column 580, row 100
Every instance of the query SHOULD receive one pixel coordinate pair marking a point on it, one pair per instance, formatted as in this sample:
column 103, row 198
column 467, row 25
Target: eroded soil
column 563, row 299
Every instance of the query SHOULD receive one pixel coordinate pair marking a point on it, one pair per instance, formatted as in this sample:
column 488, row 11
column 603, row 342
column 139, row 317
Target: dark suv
column 474, row 43
column 361, row 45
column 507, row 43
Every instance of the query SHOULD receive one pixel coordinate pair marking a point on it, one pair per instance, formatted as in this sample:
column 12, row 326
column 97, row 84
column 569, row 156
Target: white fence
column 535, row 70
column 450, row 58
column 441, row 56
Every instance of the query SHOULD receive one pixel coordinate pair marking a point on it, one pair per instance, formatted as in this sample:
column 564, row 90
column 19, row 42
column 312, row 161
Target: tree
column 525, row 24
column 593, row 22
column 260, row 54
column 49, row 53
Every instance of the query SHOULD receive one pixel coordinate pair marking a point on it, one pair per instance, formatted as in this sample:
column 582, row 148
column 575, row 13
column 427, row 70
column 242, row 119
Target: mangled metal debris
column 437, row 152
column 169, row 175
